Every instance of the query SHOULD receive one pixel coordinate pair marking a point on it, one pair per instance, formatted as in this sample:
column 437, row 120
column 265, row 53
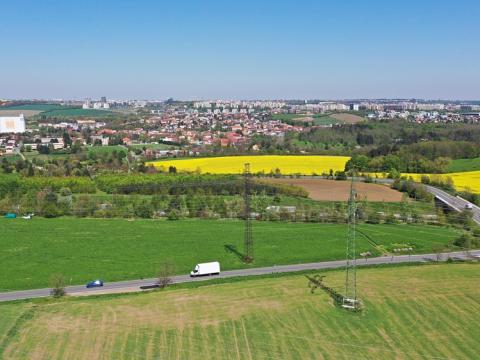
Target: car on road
column 468, row 207
column 94, row 284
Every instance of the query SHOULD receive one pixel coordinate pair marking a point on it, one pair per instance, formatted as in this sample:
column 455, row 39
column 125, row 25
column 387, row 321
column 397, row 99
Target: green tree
column 57, row 284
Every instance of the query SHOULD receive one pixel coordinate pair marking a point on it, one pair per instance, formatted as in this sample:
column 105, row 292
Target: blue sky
column 240, row 49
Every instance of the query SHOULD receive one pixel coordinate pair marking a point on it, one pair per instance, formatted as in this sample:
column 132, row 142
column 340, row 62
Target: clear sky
column 244, row 49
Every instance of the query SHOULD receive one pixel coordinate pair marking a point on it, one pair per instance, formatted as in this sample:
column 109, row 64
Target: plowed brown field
column 332, row 190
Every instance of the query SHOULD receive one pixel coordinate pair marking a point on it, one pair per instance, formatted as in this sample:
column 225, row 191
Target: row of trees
column 264, row 207
column 393, row 163
column 145, row 184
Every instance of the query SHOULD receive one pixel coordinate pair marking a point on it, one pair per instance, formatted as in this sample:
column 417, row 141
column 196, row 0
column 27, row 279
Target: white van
column 211, row 268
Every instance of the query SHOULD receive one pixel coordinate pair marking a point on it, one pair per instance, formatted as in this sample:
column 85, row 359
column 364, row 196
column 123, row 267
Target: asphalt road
column 134, row 285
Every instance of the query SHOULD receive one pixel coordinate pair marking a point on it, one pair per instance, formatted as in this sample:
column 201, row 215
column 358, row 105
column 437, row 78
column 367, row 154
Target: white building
column 12, row 124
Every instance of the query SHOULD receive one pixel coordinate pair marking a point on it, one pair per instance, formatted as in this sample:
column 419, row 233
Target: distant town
column 191, row 128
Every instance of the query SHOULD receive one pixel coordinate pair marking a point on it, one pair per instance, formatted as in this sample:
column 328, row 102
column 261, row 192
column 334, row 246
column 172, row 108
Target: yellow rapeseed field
column 469, row 180
column 305, row 165
column 466, row 180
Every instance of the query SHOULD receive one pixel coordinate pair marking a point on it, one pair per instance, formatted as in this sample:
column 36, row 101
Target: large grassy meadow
column 117, row 249
column 410, row 312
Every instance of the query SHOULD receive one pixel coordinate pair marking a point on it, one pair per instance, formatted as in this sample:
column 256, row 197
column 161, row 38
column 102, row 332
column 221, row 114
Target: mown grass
column 414, row 312
column 117, row 249
column 106, row 149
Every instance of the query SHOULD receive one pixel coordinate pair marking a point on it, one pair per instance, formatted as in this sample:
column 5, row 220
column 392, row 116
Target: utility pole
column 248, row 240
column 350, row 300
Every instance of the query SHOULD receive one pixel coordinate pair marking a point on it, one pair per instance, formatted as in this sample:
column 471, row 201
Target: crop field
column 321, row 119
column 26, row 113
column 410, row 312
column 322, row 189
column 347, row 118
column 53, row 110
column 307, row 165
column 76, row 112
column 461, row 180
column 117, row 249
column 317, row 119
column 35, row 107
column 461, row 165
column 466, row 180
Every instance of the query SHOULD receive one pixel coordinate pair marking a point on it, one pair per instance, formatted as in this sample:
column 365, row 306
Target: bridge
column 455, row 202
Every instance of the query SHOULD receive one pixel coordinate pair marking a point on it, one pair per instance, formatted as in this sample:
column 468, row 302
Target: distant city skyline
column 193, row 50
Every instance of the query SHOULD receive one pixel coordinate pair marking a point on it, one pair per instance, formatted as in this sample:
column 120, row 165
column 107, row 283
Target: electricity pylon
column 350, row 300
column 248, row 240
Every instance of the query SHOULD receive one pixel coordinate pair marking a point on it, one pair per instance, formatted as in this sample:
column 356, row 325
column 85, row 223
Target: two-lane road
column 134, row 285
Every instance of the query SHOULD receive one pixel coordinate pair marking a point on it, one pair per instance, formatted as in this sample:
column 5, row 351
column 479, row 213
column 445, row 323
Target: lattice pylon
column 248, row 239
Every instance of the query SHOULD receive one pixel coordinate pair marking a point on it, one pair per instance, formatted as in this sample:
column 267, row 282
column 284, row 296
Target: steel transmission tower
column 248, row 240
column 350, row 300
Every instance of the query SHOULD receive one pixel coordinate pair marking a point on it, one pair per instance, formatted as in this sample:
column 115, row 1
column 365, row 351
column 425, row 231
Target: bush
column 414, row 190
column 391, row 219
column 466, row 241
column 57, row 283
column 368, row 179
column 50, row 211
column 65, row 191
column 174, row 214
column 374, row 218
column 143, row 210
column 464, row 218
column 340, row 175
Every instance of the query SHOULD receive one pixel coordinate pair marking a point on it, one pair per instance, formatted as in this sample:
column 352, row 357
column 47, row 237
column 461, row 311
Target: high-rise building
column 12, row 124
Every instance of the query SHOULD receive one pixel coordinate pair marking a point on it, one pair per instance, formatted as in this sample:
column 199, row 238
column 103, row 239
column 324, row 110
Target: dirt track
column 332, row 190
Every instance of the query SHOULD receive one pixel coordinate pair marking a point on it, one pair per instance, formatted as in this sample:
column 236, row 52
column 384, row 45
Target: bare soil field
column 332, row 190
column 26, row 113
column 347, row 118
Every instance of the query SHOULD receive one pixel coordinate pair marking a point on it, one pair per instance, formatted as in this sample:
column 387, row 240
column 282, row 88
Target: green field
column 410, row 312
column 106, row 149
column 462, row 165
column 76, row 112
column 55, row 110
column 37, row 107
column 153, row 146
column 318, row 119
column 117, row 249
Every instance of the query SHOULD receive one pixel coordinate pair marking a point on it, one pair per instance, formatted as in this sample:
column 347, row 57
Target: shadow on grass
column 233, row 250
